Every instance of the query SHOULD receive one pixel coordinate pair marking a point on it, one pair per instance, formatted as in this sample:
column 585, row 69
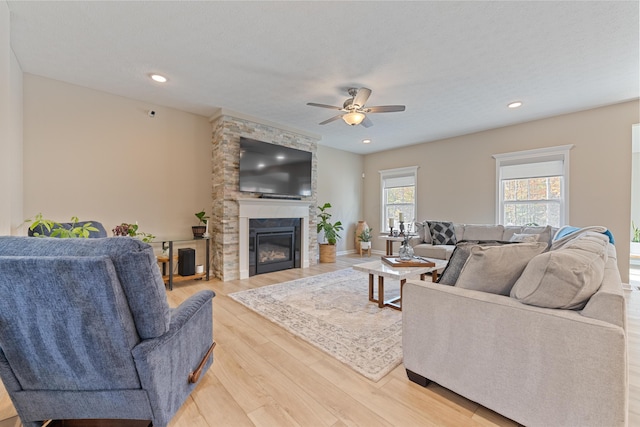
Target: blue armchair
column 86, row 331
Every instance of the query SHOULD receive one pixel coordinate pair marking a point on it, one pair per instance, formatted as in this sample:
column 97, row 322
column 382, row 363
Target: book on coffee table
column 414, row 262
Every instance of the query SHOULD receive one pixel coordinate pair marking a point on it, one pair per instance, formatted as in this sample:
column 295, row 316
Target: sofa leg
column 417, row 378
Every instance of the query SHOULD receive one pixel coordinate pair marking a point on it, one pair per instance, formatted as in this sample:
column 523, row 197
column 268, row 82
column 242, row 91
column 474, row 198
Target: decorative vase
column 362, row 225
column 405, row 252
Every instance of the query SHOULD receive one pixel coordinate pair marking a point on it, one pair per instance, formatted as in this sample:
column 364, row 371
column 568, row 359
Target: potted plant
column 365, row 239
column 41, row 227
column 131, row 230
column 200, row 229
column 635, row 240
column 330, row 231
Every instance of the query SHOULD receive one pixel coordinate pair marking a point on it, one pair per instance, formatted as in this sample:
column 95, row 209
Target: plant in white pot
column 635, row 240
column 330, row 231
column 365, row 239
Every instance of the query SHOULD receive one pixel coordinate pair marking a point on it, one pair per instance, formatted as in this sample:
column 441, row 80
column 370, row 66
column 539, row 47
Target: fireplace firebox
column 274, row 245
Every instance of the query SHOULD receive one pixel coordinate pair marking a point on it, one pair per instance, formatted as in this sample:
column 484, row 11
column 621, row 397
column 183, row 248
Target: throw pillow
column 422, row 230
column 459, row 256
column 565, row 278
column 495, row 269
column 524, row 238
column 442, row 233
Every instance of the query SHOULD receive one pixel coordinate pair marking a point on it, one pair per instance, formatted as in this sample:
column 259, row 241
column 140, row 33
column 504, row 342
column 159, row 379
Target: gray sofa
column 86, row 331
column 552, row 352
column 424, row 245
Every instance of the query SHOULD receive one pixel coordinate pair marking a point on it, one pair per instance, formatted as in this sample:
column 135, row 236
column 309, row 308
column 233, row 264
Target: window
column 532, row 187
column 398, row 196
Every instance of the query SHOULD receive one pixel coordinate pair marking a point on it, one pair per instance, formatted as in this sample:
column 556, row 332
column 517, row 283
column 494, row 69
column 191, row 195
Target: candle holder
column 390, row 231
column 402, row 228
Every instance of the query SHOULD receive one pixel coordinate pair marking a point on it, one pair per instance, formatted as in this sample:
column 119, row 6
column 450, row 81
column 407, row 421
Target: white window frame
column 409, row 171
column 538, row 155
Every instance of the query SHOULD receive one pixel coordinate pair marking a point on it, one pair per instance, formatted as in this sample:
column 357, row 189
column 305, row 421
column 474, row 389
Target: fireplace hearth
column 274, row 245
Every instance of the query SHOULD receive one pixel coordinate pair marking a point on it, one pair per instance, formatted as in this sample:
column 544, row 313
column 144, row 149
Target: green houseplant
column 56, row 229
column 200, row 229
column 330, row 231
column 365, row 238
column 131, row 230
column 634, row 246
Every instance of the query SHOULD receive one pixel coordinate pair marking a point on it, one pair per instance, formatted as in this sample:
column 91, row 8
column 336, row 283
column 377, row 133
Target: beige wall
column 456, row 176
column 10, row 131
column 99, row 156
column 340, row 183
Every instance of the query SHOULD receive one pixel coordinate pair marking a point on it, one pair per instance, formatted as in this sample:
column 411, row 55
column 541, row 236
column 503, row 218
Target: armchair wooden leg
column 195, row 375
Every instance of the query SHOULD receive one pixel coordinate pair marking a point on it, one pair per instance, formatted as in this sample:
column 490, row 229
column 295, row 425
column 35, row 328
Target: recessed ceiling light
column 515, row 104
column 158, row 78
column 366, row 141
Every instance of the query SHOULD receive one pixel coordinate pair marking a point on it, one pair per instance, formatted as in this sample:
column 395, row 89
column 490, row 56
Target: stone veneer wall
column 224, row 222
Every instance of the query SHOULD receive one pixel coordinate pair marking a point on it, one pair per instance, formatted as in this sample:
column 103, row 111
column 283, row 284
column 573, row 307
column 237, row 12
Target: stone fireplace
column 232, row 210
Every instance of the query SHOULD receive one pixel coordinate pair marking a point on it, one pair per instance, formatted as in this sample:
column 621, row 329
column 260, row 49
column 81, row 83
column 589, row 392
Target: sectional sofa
column 537, row 335
column 437, row 239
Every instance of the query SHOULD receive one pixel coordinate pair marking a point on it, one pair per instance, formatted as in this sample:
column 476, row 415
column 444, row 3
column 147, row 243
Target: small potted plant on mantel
column 201, row 229
column 330, row 232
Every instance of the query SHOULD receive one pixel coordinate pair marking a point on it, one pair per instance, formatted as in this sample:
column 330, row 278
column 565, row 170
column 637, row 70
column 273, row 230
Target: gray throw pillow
column 495, row 269
column 459, row 256
column 442, row 233
column 564, row 278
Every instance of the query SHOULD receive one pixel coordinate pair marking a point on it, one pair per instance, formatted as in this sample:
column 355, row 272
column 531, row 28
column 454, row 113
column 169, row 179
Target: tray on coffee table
column 414, row 262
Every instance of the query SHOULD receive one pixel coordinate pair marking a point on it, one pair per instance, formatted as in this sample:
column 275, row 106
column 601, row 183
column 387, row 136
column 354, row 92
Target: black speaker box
column 186, row 262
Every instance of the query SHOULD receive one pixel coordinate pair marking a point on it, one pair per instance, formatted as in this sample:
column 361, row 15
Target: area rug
column 332, row 311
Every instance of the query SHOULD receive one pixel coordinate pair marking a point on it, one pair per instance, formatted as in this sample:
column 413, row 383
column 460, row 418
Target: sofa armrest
column 537, row 366
column 164, row 363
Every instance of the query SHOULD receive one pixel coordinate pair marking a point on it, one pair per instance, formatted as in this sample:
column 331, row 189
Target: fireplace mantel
column 251, row 208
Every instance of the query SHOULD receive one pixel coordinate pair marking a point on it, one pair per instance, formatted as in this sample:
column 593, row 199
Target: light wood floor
column 264, row 376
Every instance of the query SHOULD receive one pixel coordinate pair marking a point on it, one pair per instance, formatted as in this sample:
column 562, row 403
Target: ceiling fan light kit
column 354, row 111
column 354, row 118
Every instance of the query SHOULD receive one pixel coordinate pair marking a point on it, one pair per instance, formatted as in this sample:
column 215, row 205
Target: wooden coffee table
column 382, row 270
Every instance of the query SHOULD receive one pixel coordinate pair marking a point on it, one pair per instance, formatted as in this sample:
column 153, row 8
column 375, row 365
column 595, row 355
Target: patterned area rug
column 332, row 311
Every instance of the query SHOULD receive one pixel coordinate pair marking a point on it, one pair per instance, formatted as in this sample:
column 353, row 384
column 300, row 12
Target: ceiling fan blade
column 385, row 109
column 339, row 116
column 313, row 104
column 366, row 122
column 361, row 97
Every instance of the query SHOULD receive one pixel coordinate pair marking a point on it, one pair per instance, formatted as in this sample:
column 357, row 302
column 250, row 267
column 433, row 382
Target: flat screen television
column 272, row 169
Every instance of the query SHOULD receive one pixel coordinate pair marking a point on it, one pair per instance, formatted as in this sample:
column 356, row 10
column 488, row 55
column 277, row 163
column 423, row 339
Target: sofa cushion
column 564, row 278
column 459, row 256
column 433, row 251
column 442, row 233
column 545, row 233
column 495, row 269
column 483, row 232
column 524, row 237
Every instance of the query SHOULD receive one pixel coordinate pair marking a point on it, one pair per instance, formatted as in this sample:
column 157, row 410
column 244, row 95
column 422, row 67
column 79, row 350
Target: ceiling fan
column 353, row 110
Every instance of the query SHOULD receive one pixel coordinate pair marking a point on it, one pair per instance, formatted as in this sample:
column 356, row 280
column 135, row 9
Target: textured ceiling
column 455, row 65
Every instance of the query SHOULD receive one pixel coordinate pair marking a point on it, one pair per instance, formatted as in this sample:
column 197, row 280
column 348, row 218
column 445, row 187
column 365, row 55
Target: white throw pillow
column 567, row 277
column 495, row 269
